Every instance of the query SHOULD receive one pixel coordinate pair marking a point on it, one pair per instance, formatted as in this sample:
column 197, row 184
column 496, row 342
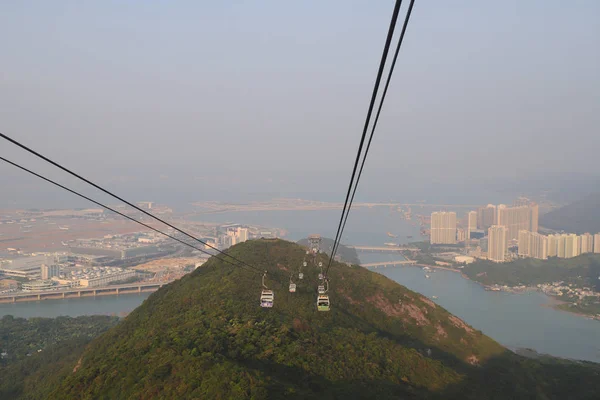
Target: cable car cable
column 13, row 141
column 367, row 120
column 118, row 212
column 387, row 84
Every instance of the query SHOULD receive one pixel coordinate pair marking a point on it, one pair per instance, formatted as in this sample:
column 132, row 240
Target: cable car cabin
column 266, row 298
column 292, row 287
column 320, row 276
column 300, row 275
column 321, row 289
column 323, row 303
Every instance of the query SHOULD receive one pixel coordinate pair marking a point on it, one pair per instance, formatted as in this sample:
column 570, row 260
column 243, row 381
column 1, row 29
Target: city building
column 561, row 245
column 464, row 259
column 535, row 216
column 26, row 267
column 443, row 228
column 49, row 271
column 532, row 244
column 461, row 235
column 225, row 241
column 242, row 234
column 552, row 245
column 523, row 245
column 538, row 246
column 597, row 243
column 38, row 286
column 233, row 237
column 519, row 218
column 471, row 223
column 486, row 217
column 108, row 278
column 586, row 243
column 571, row 245
column 497, row 243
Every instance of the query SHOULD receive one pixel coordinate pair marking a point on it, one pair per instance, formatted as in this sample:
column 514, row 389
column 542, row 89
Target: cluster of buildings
column 61, row 270
column 523, row 215
column 88, row 263
column 566, row 245
column 229, row 235
column 119, row 247
column 496, row 229
column 567, row 290
column 232, row 236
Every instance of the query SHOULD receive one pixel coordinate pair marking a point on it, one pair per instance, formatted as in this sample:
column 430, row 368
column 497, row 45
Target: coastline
column 555, row 302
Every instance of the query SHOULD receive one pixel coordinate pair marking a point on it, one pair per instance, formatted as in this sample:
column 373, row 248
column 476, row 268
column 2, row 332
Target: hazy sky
column 273, row 94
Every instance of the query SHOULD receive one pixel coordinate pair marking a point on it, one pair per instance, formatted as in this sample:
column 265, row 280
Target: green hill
column 205, row 337
column 579, row 217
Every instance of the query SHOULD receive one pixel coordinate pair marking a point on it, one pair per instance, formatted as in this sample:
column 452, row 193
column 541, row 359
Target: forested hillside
column 38, row 352
column 205, row 336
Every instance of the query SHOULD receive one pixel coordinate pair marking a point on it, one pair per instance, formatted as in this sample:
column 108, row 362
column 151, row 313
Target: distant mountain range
column 578, row 217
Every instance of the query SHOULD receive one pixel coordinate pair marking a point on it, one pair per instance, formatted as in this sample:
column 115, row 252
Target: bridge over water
column 386, row 264
column 383, row 249
column 81, row 292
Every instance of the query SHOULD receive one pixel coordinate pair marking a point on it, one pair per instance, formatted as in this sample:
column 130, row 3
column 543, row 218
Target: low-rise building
column 464, row 259
column 106, row 279
column 37, row 286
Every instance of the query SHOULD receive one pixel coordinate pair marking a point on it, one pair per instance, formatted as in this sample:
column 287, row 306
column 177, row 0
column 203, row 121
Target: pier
column 81, row 292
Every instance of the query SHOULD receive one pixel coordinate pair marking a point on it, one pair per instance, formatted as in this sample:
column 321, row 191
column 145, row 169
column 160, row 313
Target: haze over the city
column 233, row 100
column 177, row 218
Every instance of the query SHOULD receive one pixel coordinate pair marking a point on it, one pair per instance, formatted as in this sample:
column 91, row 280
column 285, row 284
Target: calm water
column 515, row 320
column 367, row 226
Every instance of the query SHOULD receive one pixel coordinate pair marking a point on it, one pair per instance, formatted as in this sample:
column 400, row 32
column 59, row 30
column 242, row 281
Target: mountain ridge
column 578, row 217
column 204, row 336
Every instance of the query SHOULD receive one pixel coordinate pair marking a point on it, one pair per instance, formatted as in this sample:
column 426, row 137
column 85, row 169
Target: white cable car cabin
column 292, row 287
column 267, row 296
column 323, row 303
column 266, row 299
column 321, row 289
column 300, row 275
column 320, row 276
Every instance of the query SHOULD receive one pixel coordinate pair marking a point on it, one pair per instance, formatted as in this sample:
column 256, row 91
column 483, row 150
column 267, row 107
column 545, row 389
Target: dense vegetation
column 579, row 217
column 347, row 254
column 37, row 353
column 204, row 336
column 582, row 271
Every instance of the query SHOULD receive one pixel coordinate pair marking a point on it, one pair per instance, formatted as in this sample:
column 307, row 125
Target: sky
column 193, row 100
